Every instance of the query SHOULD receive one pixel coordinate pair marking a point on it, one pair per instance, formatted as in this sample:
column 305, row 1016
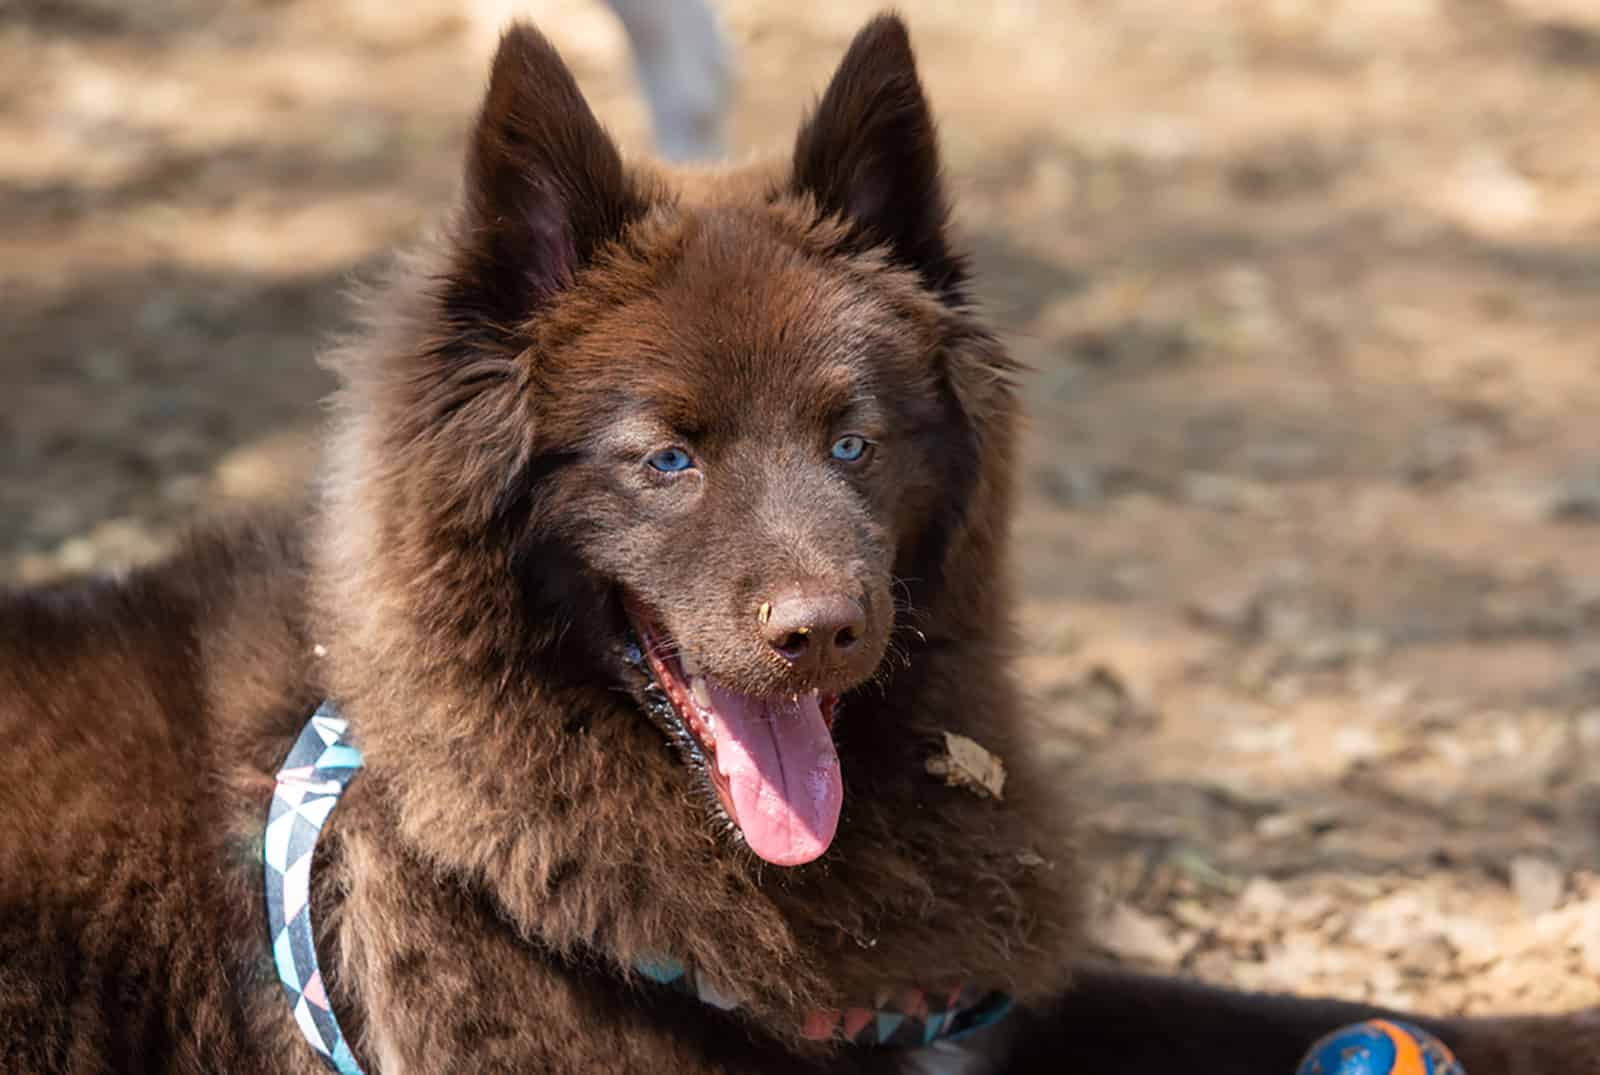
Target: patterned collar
column 321, row 765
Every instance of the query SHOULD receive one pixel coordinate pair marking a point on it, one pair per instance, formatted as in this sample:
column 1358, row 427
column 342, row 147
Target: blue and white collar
column 319, row 767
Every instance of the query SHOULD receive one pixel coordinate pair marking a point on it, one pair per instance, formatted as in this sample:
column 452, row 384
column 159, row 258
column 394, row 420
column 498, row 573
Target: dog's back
column 116, row 906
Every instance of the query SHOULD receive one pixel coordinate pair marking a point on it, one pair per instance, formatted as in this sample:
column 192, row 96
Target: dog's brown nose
column 812, row 628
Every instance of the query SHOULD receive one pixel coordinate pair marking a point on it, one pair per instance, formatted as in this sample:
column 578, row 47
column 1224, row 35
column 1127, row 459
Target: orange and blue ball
column 1380, row 1047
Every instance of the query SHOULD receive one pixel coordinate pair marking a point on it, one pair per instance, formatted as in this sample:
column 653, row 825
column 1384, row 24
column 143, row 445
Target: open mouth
column 770, row 758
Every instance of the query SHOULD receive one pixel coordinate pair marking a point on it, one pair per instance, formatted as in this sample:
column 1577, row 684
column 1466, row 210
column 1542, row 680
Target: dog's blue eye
column 670, row 460
column 849, row 448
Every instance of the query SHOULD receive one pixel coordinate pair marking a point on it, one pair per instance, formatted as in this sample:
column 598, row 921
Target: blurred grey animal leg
column 686, row 72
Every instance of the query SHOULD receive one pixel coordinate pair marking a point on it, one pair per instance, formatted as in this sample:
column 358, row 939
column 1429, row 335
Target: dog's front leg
column 1112, row 1020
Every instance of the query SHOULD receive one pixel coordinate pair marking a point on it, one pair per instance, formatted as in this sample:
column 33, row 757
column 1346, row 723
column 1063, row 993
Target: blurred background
column 1309, row 293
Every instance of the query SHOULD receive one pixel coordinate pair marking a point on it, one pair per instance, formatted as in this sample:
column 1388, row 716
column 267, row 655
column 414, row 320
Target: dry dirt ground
column 1308, row 289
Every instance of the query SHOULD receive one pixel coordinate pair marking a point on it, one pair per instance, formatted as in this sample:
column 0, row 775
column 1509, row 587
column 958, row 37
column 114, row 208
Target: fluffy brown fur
column 523, row 831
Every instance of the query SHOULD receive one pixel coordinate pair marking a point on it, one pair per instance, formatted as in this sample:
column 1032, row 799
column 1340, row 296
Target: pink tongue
column 782, row 771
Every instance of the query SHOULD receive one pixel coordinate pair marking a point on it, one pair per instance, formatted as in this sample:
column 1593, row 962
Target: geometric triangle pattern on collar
column 314, row 775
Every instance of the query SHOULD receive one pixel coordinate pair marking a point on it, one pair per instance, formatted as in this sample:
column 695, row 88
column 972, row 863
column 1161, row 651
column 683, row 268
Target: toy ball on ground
column 1380, row 1047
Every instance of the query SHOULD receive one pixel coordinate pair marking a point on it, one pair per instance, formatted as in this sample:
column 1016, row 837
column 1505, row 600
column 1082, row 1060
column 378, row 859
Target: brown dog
column 664, row 535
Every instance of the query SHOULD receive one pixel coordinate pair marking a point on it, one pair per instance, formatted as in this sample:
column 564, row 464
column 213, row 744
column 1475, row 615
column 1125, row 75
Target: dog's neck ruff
column 321, row 765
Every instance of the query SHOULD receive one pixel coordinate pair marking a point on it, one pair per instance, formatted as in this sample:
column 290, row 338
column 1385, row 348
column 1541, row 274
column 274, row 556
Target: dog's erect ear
column 545, row 186
column 870, row 153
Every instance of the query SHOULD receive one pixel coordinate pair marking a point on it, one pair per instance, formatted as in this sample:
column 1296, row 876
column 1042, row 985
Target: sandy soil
column 1308, row 290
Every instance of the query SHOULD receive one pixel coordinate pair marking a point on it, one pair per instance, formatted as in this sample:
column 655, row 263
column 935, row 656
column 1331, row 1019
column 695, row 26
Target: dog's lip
column 668, row 673
column 656, row 656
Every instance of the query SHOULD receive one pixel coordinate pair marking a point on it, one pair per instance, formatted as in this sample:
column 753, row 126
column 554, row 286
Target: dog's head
column 711, row 438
